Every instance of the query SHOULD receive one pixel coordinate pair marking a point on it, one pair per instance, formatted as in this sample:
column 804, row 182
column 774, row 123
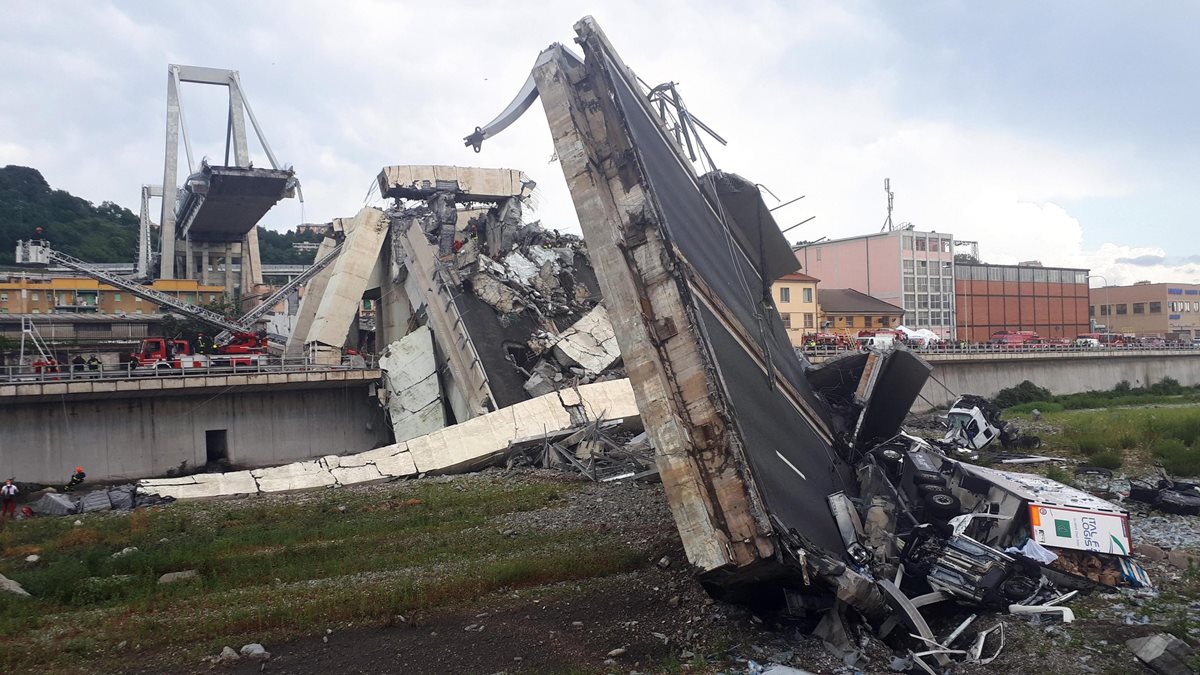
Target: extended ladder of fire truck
column 38, row 252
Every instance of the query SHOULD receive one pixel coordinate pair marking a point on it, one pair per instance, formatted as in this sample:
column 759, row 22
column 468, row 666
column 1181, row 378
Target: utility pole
column 887, row 188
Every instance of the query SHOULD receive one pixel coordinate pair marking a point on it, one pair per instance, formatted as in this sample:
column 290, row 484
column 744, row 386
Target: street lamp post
column 1106, row 298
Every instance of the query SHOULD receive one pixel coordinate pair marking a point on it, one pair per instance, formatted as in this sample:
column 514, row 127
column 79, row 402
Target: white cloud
column 806, row 96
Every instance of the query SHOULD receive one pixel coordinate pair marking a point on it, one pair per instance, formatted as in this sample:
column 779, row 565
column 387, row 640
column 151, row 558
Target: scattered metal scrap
column 1171, row 496
column 594, row 450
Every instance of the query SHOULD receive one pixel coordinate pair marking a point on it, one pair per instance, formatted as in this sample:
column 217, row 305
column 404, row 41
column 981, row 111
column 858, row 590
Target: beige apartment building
column 796, row 299
column 37, row 294
column 1170, row 311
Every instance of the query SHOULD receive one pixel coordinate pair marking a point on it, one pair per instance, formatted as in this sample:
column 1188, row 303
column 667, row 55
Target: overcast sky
column 1063, row 132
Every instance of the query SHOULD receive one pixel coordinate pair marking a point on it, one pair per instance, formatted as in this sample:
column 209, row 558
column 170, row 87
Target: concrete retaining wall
column 116, row 439
column 1060, row 373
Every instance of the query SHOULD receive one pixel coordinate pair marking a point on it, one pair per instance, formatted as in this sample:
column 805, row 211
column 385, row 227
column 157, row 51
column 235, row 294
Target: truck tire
column 942, row 506
column 932, row 490
column 928, row 478
column 162, row 366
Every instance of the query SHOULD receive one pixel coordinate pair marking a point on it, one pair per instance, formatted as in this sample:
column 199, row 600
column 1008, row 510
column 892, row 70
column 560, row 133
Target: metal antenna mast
column 887, row 187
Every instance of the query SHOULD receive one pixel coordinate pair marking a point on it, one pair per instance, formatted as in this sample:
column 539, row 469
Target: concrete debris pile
column 594, row 451
column 513, row 309
column 471, row 445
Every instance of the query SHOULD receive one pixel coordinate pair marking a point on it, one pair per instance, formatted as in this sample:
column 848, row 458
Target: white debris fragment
column 590, row 343
column 9, row 586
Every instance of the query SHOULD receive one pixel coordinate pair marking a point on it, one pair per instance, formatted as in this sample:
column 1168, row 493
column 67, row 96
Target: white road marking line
column 785, row 461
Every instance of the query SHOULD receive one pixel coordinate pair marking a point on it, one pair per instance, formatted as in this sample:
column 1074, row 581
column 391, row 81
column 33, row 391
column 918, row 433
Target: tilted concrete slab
column 344, row 291
column 310, row 301
column 469, row 445
column 471, row 183
column 414, row 396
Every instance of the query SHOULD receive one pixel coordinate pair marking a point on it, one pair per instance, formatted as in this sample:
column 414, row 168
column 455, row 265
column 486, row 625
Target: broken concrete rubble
column 414, row 399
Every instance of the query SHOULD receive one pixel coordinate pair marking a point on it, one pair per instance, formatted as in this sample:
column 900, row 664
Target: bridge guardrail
column 67, row 372
column 820, row 350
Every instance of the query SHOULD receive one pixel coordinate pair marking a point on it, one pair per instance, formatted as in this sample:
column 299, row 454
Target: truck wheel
column 941, row 506
column 928, row 478
column 932, row 490
column 162, row 366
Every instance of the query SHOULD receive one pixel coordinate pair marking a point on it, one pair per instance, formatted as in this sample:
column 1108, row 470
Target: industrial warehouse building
column 1052, row 301
column 1170, row 311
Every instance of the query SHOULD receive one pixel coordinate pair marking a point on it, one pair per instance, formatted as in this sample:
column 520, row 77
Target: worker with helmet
column 76, row 480
column 9, row 495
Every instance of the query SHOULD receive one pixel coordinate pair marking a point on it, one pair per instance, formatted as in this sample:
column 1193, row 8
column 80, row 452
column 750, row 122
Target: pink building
column 913, row 270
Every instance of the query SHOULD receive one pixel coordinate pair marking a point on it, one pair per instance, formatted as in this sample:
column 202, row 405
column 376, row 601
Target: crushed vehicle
column 793, row 486
column 973, row 422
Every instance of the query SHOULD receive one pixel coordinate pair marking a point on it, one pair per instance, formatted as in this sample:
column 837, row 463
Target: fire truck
column 243, row 349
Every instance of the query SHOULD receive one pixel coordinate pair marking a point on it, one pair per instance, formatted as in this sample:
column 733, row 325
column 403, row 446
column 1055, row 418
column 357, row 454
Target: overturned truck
column 785, row 481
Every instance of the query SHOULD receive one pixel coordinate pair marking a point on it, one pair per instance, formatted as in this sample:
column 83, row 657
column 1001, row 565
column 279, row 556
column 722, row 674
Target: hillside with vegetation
column 105, row 233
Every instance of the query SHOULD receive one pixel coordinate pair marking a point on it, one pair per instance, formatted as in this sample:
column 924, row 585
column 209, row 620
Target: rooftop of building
column 1021, row 265
column 890, row 233
column 850, row 301
column 798, row 276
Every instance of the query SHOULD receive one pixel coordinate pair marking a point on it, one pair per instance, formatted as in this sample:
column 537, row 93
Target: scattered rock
column 577, row 624
column 10, row 586
column 673, row 601
column 227, row 655
column 78, row 523
column 342, row 508
column 619, row 651
column 125, row 551
column 1164, row 653
column 32, row 558
column 255, row 651
column 1183, row 559
column 172, row 577
column 1150, row 552
column 664, row 562
column 122, row 643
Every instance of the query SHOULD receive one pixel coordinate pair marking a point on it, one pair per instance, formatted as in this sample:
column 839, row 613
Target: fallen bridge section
column 474, row 444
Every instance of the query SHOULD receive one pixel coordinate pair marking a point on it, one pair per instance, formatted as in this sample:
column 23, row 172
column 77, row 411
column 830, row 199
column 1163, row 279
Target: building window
column 807, row 293
column 935, row 285
column 935, row 301
column 921, row 244
column 116, row 297
column 947, row 268
column 818, row 255
column 36, row 311
column 785, row 294
column 1024, row 274
column 922, row 301
column 137, row 311
column 849, row 322
column 910, row 284
column 212, row 297
column 922, row 285
column 910, row 300
column 947, row 246
column 1091, row 310
column 907, row 242
column 1139, row 308
column 34, row 297
column 907, row 264
column 1103, row 310
column 3, row 297
column 923, row 266
column 808, row 320
column 1156, row 308
column 137, row 299
column 787, row 320
column 1122, row 309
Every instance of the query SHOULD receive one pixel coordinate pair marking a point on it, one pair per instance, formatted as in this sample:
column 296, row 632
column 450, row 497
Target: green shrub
column 1168, row 386
column 1177, row 458
column 1090, row 444
column 1127, row 440
column 1185, row 428
column 1123, row 387
column 1056, row 472
column 1107, row 459
column 1026, row 392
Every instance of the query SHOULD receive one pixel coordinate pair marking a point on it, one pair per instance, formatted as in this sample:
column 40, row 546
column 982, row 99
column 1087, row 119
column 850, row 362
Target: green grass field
column 276, row 569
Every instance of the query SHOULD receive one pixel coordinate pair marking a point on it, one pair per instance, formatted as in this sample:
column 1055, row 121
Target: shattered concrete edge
column 414, row 395
column 463, row 447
